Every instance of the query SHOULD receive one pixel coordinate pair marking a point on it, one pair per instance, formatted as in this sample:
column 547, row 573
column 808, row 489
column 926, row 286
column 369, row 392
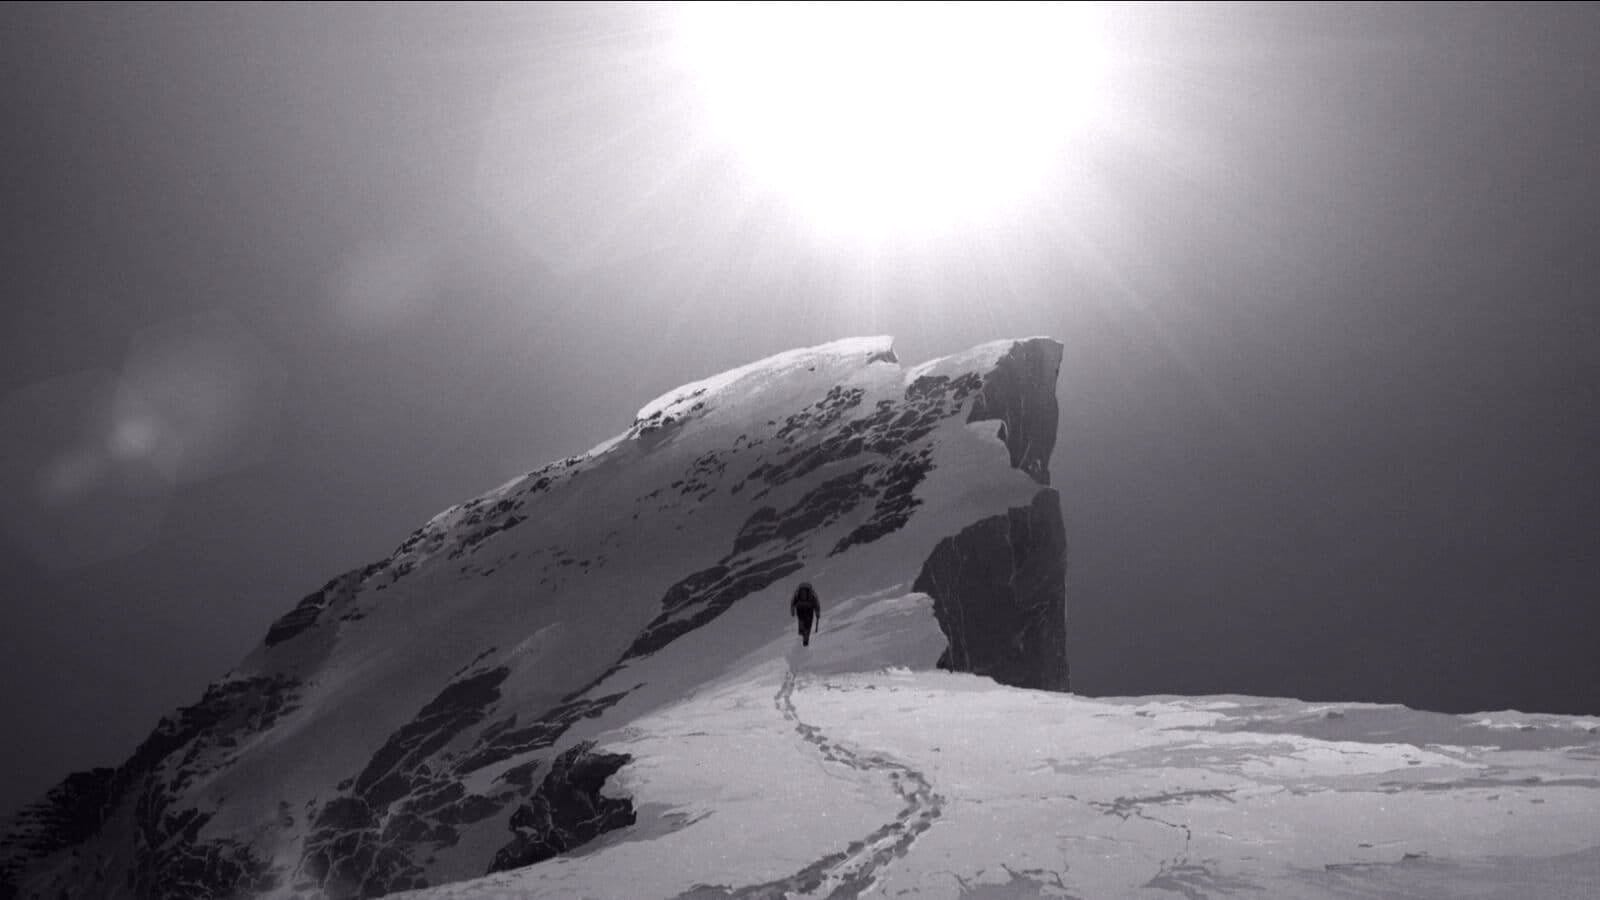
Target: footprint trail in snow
column 846, row 874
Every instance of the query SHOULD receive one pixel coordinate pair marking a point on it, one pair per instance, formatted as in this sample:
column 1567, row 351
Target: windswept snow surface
column 813, row 774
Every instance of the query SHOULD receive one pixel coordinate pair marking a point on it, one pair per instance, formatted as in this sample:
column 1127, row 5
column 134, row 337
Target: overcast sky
column 280, row 282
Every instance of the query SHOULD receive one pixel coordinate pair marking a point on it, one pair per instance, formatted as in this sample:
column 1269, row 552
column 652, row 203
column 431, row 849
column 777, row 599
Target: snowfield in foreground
column 799, row 778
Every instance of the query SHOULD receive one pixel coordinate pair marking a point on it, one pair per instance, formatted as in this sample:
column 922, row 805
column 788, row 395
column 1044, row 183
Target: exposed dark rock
column 521, row 776
column 296, row 620
column 567, row 810
column 346, row 813
column 825, row 504
column 187, row 745
column 229, row 712
column 662, row 418
column 701, row 478
column 347, row 853
column 172, row 863
column 705, row 595
column 409, row 799
column 506, row 742
column 895, row 504
column 310, row 609
column 387, row 776
column 67, row 816
column 885, row 431
column 470, row 541
column 762, row 526
column 822, row 414
column 999, row 594
column 1020, row 391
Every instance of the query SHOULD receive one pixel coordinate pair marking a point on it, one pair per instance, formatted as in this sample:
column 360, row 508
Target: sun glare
column 894, row 117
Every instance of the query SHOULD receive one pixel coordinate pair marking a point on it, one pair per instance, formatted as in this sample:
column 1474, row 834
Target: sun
column 883, row 118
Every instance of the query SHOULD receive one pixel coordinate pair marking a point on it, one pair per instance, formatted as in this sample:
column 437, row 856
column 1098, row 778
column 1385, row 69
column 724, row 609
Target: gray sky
column 281, row 282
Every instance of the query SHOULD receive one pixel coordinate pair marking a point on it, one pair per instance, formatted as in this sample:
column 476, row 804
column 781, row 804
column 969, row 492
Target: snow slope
column 427, row 718
column 802, row 778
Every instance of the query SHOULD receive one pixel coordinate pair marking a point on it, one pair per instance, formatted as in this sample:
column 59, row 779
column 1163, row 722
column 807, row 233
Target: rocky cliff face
column 1020, row 391
column 999, row 590
column 431, row 717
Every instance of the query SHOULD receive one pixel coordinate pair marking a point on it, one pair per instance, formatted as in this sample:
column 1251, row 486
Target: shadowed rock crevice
column 999, row 594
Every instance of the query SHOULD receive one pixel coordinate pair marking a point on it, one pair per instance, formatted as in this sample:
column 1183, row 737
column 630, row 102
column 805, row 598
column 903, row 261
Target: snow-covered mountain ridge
column 430, row 717
column 585, row 684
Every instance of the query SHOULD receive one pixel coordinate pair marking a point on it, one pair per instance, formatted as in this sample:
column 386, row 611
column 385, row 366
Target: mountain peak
column 432, row 715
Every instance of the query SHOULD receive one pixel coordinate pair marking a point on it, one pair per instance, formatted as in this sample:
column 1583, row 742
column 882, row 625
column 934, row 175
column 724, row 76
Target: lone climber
column 807, row 609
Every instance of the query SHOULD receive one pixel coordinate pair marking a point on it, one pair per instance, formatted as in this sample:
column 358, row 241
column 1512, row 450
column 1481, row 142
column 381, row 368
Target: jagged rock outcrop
column 398, row 723
column 363, row 841
column 999, row 592
column 999, row 586
column 67, row 816
column 1020, row 391
column 568, row 810
column 169, row 856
